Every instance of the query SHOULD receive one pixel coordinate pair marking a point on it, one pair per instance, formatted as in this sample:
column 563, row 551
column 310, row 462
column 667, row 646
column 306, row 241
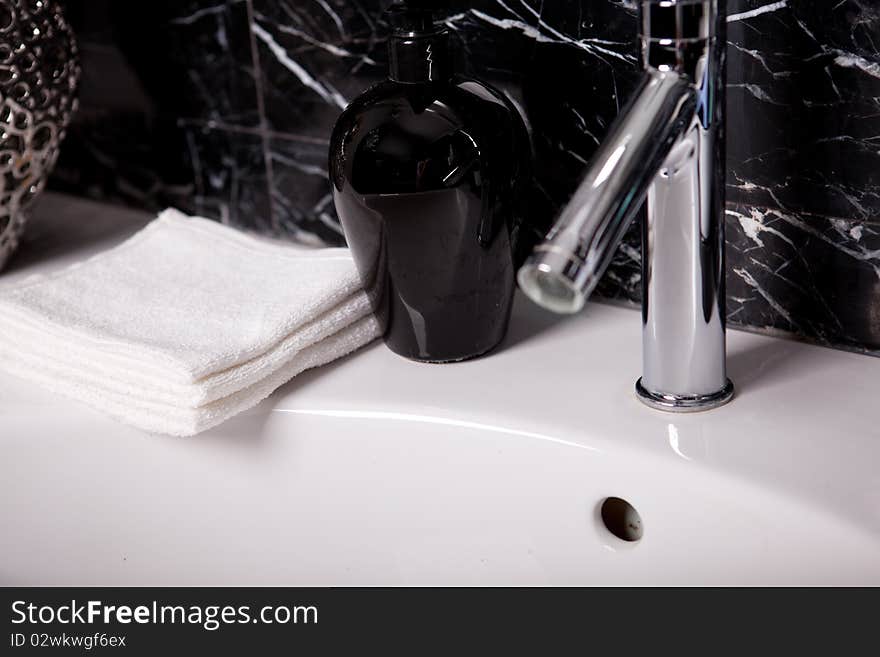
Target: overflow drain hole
column 621, row 519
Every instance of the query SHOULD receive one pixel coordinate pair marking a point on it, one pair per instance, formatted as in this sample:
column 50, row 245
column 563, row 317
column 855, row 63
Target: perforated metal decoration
column 39, row 73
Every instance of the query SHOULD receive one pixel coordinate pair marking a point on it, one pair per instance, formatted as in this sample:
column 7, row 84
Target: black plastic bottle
column 428, row 172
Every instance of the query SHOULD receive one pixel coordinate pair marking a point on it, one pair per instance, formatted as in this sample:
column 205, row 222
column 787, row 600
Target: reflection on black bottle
column 428, row 173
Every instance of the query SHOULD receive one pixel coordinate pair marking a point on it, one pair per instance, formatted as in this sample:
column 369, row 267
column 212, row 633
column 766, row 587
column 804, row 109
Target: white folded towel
column 185, row 324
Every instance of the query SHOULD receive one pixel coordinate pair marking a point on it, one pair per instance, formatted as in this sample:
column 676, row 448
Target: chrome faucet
column 667, row 145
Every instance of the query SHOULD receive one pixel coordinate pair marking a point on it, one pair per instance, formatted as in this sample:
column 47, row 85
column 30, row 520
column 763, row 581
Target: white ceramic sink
column 375, row 470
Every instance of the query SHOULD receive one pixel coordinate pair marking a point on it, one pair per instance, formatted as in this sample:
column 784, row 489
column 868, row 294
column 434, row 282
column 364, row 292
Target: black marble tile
column 315, row 56
column 209, row 71
column 221, row 174
column 816, row 277
column 584, row 66
column 120, row 156
column 804, row 107
column 230, row 178
column 302, row 203
column 151, row 70
column 191, row 58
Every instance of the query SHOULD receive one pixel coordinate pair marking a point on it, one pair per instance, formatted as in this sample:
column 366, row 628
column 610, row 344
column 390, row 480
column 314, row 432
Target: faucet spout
column 563, row 270
column 667, row 145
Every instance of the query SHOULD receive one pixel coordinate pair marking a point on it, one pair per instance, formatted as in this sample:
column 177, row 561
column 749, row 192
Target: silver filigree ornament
column 39, row 74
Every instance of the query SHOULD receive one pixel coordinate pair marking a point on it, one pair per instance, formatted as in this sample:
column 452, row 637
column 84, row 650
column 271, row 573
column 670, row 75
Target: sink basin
column 376, row 470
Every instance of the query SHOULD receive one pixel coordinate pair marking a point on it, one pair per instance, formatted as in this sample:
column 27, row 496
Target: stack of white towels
column 185, row 324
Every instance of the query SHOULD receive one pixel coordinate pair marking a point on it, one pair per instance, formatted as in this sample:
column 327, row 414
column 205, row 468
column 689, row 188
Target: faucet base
column 684, row 403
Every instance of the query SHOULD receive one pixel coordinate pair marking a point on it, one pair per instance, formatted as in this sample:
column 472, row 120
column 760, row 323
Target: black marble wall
column 224, row 109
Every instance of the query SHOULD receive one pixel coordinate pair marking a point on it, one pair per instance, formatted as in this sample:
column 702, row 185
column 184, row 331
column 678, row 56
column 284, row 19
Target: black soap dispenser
column 429, row 173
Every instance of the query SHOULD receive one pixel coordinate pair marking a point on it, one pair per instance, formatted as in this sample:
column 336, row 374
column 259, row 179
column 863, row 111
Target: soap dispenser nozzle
column 417, row 47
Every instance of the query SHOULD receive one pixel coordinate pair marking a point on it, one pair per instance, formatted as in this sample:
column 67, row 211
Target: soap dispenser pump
column 429, row 171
